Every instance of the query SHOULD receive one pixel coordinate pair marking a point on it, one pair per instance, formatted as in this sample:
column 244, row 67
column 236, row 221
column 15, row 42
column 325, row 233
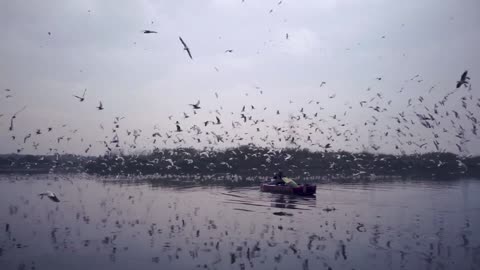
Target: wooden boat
column 303, row 190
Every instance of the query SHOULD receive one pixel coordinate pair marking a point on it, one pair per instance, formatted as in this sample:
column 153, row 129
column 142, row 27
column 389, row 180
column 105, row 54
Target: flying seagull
column 100, row 107
column 185, row 47
column 15, row 116
column 179, row 129
column 149, row 32
column 50, row 195
column 195, row 106
column 82, row 98
column 228, row 51
column 463, row 80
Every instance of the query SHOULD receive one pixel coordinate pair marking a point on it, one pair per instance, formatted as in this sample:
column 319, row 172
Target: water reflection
column 126, row 224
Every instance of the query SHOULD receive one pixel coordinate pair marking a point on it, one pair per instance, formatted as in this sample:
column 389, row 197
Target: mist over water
column 118, row 224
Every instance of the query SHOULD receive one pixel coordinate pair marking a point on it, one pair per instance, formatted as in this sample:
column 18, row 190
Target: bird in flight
column 149, row 32
column 15, row 116
column 179, row 129
column 82, row 98
column 228, row 51
column 195, row 106
column 100, row 107
column 50, row 195
column 185, row 47
column 463, row 80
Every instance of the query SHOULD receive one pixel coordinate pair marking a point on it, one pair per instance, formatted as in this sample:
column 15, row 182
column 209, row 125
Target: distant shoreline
column 250, row 162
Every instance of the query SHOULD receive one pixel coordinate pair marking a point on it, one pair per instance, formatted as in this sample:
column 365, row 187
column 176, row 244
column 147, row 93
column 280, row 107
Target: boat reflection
column 292, row 202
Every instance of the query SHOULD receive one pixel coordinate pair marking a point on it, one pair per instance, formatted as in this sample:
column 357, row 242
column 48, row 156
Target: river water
column 117, row 224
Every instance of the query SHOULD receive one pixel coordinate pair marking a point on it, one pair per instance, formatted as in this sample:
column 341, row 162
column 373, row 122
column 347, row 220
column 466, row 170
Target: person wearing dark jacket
column 278, row 178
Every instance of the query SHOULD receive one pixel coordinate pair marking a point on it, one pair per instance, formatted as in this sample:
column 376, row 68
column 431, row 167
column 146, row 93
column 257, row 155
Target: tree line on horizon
column 249, row 161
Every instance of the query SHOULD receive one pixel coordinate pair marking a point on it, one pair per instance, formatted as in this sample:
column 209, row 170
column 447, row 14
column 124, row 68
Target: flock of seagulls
column 423, row 123
column 304, row 127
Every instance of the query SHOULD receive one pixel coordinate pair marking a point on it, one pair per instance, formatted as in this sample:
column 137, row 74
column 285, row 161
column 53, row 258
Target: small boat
column 303, row 190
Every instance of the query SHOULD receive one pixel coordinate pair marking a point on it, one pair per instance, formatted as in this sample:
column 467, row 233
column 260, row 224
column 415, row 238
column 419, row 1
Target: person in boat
column 277, row 179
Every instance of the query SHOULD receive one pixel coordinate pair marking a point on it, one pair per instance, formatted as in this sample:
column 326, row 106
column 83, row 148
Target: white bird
column 169, row 160
column 50, row 195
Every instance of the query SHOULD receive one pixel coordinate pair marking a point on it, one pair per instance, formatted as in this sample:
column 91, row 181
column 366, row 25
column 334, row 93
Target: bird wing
column 183, row 42
column 77, row 97
column 198, row 103
column 188, row 51
column 464, row 75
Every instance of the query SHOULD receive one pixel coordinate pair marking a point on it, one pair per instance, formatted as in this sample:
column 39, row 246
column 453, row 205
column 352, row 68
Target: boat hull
column 303, row 190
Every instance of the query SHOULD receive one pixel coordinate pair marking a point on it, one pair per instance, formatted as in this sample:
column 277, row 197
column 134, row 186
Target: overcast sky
column 52, row 50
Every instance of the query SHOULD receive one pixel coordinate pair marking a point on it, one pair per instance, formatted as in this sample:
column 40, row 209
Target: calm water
column 109, row 225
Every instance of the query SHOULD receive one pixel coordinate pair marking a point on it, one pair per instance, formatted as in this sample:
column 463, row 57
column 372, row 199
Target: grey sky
column 98, row 45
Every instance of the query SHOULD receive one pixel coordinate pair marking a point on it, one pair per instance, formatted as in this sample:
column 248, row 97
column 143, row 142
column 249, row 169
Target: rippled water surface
column 142, row 225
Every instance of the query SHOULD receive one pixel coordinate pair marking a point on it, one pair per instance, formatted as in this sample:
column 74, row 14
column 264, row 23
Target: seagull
column 82, row 98
column 50, row 195
column 218, row 120
column 463, row 79
column 179, row 129
column 169, row 160
column 195, row 106
column 185, row 47
column 228, row 51
column 149, row 32
column 15, row 116
column 26, row 138
column 244, row 118
column 100, row 107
